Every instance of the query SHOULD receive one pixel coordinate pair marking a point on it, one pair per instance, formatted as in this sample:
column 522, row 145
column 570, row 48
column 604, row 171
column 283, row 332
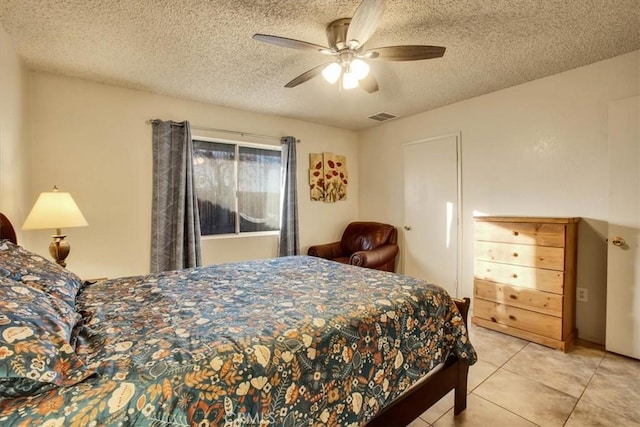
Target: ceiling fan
column 346, row 38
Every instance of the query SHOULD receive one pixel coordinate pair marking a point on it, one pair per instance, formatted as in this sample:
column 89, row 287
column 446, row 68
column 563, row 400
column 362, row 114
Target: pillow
column 36, row 354
column 20, row 265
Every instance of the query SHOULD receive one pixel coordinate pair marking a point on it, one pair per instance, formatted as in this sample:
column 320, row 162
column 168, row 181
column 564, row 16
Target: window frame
column 237, row 145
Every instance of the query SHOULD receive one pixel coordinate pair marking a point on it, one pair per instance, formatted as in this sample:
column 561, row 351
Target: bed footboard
column 452, row 376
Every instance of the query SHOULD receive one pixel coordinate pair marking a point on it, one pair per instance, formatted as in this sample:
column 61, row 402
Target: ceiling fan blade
column 365, row 21
column 290, row 43
column 407, row 52
column 369, row 84
column 306, row 76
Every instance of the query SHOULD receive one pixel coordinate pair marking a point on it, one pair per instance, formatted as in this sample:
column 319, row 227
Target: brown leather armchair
column 366, row 244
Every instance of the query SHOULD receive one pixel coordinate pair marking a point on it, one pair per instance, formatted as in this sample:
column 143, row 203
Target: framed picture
column 328, row 178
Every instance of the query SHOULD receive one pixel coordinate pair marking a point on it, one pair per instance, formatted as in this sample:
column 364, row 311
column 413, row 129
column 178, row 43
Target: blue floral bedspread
column 294, row 341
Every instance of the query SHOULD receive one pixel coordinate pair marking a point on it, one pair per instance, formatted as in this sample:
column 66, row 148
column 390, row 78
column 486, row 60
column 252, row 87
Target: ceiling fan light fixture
column 353, row 44
column 331, row 72
column 349, row 81
column 359, row 68
column 347, row 38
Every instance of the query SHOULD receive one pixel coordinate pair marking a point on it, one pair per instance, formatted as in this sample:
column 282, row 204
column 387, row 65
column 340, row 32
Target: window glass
column 238, row 187
column 214, row 171
column 258, row 189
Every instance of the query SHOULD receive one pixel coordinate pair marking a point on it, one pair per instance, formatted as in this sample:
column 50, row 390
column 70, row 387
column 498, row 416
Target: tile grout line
column 499, row 367
column 594, row 403
column 550, row 386
column 509, row 411
column 599, row 363
column 585, row 389
column 503, row 367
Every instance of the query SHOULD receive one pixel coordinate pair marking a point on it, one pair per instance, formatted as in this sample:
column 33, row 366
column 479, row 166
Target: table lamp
column 55, row 209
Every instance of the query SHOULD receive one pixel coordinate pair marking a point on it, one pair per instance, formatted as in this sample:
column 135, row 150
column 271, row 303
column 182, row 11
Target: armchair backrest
column 364, row 236
column 6, row 230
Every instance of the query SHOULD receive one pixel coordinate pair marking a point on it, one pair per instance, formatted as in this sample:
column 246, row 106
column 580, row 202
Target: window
column 238, row 187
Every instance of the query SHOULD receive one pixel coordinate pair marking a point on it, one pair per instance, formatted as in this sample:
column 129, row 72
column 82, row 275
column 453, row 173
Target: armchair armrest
column 328, row 250
column 375, row 257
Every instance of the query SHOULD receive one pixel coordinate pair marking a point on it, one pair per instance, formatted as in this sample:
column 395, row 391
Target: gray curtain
column 289, row 240
column 175, row 223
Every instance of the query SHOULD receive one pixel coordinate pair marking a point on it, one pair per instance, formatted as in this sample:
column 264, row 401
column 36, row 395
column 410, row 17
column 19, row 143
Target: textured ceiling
column 203, row 50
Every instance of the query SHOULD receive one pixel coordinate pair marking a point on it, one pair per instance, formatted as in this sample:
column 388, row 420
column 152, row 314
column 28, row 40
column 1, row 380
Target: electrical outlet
column 582, row 294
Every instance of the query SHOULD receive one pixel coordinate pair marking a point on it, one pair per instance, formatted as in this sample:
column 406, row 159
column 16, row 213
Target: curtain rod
column 235, row 132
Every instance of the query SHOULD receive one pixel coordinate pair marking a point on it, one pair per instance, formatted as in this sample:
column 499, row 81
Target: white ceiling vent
column 382, row 117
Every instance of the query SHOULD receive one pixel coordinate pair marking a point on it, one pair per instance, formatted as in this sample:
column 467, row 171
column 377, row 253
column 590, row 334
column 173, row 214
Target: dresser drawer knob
column 515, row 254
column 513, row 296
column 514, row 275
column 493, row 319
column 512, row 317
column 515, row 233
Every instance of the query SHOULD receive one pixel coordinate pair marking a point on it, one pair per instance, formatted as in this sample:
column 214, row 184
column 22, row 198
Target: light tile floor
column 519, row 383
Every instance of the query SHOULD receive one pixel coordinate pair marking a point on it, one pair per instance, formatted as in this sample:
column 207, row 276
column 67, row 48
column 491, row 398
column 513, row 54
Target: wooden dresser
column 525, row 278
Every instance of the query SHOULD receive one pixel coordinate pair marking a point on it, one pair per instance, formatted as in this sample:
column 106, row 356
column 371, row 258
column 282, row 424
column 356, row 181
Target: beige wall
column 538, row 149
column 14, row 171
column 534, row 149
column 93, row 141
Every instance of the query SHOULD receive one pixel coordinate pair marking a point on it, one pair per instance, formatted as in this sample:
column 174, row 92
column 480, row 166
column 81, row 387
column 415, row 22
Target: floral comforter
column 289, row 341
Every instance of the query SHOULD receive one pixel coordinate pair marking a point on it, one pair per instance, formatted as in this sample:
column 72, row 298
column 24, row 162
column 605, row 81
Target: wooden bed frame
column 411, row 404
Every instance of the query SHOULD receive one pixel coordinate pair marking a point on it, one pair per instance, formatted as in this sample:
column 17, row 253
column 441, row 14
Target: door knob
column 408, row 228
column 618, row 241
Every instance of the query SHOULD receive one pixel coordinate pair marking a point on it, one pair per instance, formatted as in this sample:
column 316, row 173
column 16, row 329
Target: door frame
column 459, row 210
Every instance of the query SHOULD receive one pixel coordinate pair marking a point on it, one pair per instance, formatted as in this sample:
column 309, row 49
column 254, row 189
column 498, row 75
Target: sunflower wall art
column 328, row 178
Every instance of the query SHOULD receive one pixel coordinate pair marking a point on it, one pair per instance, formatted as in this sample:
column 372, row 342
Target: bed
column 290, row 341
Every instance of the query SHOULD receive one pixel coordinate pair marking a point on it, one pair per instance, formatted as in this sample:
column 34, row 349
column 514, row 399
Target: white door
column 623, row 263
column 431, row 211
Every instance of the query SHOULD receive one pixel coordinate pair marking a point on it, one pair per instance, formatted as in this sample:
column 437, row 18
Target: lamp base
column 59, row 249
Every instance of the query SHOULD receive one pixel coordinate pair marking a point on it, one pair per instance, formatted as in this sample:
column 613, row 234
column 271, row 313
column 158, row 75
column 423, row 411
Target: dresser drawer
column 529, row 299
column 525, row 277
column 521, row 233
column 541, row 324
column 527, row 255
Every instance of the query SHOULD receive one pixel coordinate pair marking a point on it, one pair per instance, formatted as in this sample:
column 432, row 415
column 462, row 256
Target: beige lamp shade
column 54, row 209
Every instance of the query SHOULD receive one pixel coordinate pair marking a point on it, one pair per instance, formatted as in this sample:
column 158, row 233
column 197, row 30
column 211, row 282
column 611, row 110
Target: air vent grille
column 382, row 117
